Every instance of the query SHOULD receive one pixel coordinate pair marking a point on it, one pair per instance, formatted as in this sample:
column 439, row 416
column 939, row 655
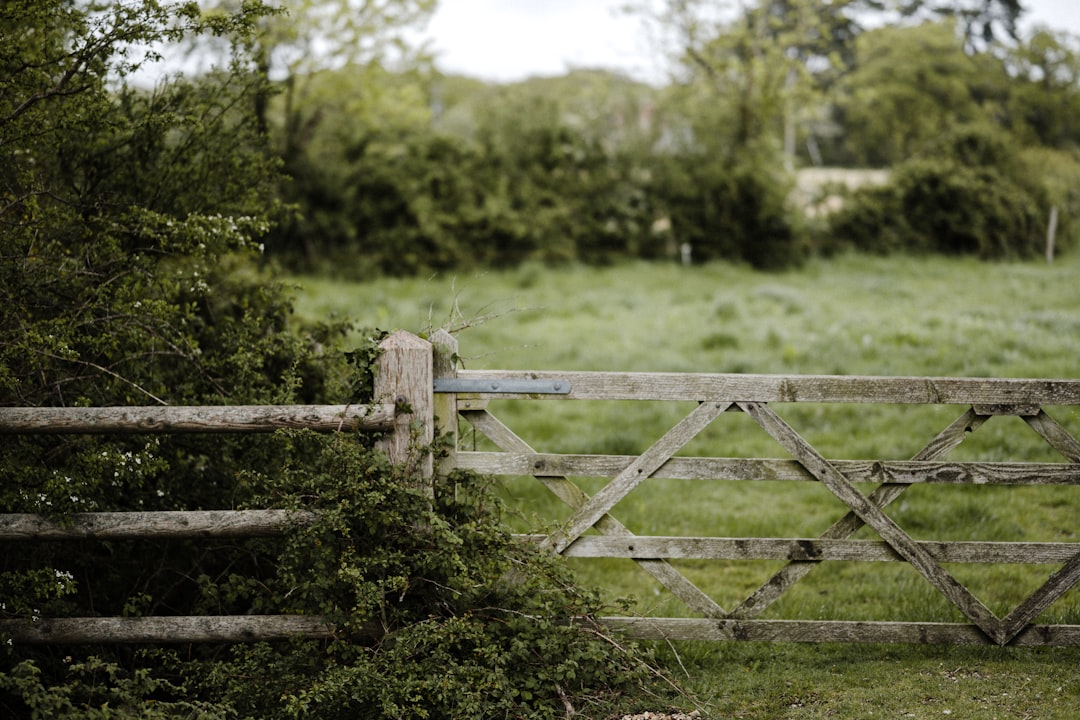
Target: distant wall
column 812, row 184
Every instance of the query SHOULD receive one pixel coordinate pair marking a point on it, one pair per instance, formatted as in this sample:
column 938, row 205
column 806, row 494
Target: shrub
column 440, row 612
column 969, row 196
column 730, row 212
column 957, row 209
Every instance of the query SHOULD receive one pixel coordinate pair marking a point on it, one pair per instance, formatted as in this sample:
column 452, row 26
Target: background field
column 851, row 315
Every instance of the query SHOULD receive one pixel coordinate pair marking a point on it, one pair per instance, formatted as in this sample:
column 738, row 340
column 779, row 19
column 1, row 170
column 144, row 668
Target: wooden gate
column 715, row 394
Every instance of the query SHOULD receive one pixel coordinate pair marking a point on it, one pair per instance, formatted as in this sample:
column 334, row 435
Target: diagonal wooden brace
column 648, row 463
column 942, row 444
column 873, row 516
column 574, row 497
column 1057, row 585
column 1066, row 578
column 1056, row 436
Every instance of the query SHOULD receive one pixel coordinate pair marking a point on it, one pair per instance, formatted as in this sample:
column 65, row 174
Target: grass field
column 851, row 315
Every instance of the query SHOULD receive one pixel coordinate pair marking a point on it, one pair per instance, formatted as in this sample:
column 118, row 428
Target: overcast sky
column 514, row 39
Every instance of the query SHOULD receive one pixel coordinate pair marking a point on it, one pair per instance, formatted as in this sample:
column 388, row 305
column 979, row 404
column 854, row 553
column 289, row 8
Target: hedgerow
column 969, row 195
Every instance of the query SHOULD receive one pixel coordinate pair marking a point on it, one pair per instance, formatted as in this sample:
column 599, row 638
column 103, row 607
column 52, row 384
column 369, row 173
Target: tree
column 102, row 182
column 129, row 220
column 1043, row 89
column 909, row 84
column 722, row 173
column 775, row 59
column 349, row 111
column 333, row 71
column 983, row 23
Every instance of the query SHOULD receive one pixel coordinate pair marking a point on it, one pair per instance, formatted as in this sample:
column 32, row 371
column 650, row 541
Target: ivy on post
column 445, row 348
column 404, row 377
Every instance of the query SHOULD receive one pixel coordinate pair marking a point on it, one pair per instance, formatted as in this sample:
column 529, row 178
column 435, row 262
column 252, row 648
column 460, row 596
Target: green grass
column 851, row 315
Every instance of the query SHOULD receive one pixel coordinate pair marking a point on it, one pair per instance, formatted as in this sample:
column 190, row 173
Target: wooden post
column 404, row 378
column 445, row 348
column 1051, row 231
column 172, row 629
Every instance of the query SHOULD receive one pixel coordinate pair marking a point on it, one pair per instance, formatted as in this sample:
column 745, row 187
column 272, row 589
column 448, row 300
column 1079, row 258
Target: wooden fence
column 418, row 387
column 403, row 387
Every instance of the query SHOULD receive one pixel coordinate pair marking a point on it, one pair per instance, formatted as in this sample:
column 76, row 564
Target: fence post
column 404, row 377
column 445, row 348
column 1051, row 231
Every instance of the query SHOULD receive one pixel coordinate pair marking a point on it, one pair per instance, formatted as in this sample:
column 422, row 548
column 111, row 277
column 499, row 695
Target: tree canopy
column 389, row 166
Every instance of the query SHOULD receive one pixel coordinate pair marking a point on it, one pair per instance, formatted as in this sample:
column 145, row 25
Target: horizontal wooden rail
column 404, row 414
column 804, row 549
column 172, row 524
column 903, row 472
column 195, row 419
column 996, row 395
column 222, row 628
column 849, row 631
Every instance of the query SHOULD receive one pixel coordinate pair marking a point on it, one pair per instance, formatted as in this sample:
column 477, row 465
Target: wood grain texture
column 174, row 524
column 194, row 419
column 797, row 388
column 815, row 631
column 1056, row 436
column 939, row 446
column 871, row 514
column 444, row 406
column 810, row 549
column 404, row 377
column 900, row 472
column 641, row 468
column 157, row 630
column 1056, row 585
column 575, row 498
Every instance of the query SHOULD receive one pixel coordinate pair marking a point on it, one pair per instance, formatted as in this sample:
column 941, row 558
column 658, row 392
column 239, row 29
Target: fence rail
column 164, row 524
column 403, row 385
column 194, row 419
column 419, row 391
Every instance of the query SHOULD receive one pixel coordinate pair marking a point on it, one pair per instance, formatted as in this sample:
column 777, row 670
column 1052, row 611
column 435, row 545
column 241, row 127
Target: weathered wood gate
column 715, row 394
column 418, row 387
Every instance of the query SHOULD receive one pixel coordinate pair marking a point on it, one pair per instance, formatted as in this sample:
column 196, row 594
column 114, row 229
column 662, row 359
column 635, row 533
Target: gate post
column 445, row 348
column 404, row 377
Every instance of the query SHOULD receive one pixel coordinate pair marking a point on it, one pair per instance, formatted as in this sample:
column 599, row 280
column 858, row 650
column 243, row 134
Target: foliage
column 131, row 273
column 306, row 38
column 440, row 612
column 515, row 180
column 1043, row 89
column 101, row 690
column 404, row 171
column 966, row 195
column 983, row 22
column 735, row 214
column 909, row 85
column 131, row 221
